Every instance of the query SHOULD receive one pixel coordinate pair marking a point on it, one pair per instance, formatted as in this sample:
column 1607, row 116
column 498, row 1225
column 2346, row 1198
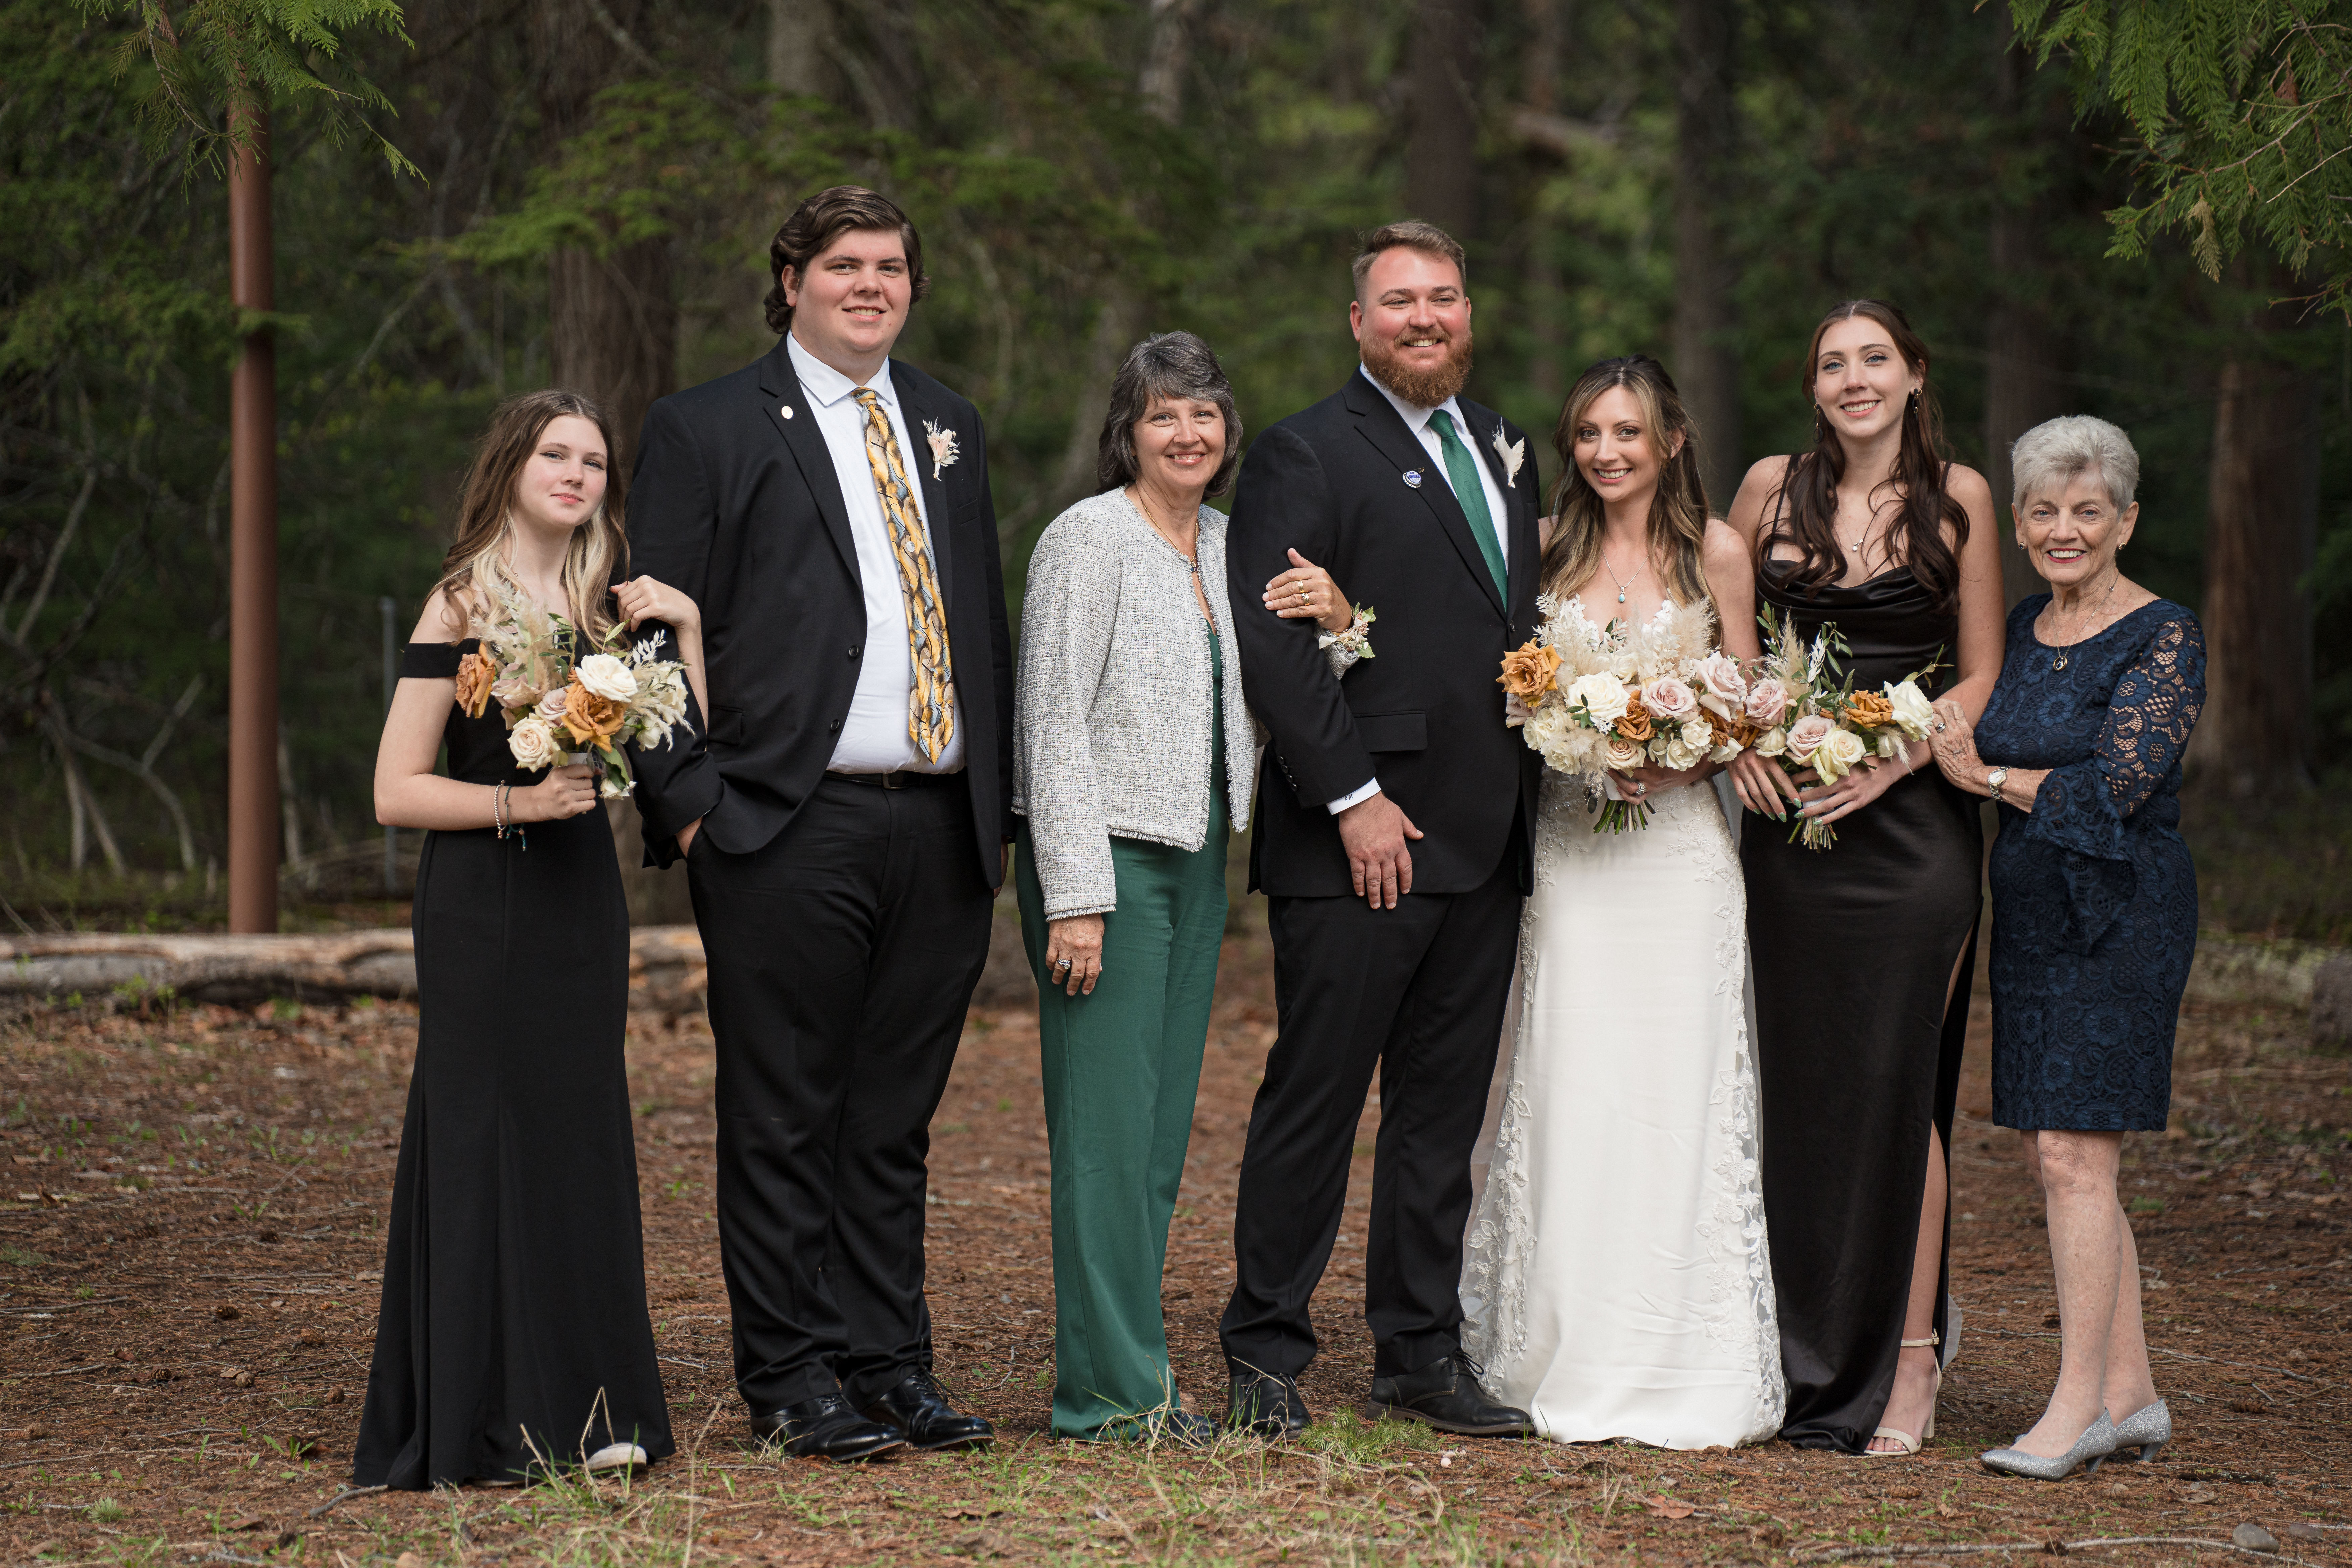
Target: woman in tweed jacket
column 1132, row 750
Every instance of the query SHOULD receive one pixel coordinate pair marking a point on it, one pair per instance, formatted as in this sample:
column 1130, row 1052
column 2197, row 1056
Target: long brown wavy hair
column 1677, row 510
column 1806, row 514
column 474, row 574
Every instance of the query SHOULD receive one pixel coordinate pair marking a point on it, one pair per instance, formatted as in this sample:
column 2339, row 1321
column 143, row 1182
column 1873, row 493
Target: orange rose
column 1634, row 723
column 1528, row 672
column 475, row 674
column 592, row 719
column 1738, row 729
column 1868, row 710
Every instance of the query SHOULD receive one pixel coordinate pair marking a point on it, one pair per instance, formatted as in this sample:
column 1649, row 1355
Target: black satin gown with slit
column 513, row 1334
column 1856, row 1051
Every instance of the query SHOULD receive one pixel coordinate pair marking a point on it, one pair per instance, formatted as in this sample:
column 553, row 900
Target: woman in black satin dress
column 1862, row 952
column 512, row 1337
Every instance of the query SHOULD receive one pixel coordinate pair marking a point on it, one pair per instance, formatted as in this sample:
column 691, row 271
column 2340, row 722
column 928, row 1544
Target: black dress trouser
column 843, row 955
column 1421, row 990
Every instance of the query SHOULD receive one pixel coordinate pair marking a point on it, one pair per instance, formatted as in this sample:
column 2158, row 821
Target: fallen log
column 667, row 970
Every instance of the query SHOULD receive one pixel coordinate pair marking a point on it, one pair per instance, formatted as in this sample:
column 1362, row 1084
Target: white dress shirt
column 1416, row 419
column 874, row 737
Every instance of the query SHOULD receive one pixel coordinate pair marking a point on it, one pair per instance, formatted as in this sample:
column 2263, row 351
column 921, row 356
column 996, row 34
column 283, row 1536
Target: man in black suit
column 845, row 817
column 1392, row 834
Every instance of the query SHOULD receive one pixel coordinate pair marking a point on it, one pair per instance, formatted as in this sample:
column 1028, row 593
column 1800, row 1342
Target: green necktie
column 1462, row 469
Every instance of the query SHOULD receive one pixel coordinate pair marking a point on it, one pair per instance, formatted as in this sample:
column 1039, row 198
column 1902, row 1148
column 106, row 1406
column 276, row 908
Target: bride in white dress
column 1617, row 1283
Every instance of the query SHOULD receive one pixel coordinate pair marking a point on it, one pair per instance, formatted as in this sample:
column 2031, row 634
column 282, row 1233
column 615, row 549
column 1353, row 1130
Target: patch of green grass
column 21, row 1257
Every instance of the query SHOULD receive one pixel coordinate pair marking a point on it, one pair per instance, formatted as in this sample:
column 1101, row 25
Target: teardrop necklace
column 1613, row 577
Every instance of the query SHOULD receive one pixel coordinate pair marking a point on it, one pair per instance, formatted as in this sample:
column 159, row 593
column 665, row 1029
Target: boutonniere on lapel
column 1513, row 454
column 943, row 448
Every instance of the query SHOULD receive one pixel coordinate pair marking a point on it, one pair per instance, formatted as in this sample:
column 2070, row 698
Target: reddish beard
column 1423, row 388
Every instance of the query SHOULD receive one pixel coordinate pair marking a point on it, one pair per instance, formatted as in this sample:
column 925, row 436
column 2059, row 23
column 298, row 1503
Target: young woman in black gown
column 1862, row 952
column 513, row 1337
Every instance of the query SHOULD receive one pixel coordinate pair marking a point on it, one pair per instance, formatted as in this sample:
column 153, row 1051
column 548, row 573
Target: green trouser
column 1122, row 1067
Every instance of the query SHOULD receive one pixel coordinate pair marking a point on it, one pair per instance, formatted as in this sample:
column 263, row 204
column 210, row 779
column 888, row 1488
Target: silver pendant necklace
column 1614, row 578
column 2061, row 661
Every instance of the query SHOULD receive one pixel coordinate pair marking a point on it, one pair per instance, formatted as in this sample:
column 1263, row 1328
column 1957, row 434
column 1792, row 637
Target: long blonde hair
column 1678, row 533
column 474, row 574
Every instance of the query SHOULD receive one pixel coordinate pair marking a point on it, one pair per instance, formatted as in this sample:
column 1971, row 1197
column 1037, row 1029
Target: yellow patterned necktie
column 931, row 696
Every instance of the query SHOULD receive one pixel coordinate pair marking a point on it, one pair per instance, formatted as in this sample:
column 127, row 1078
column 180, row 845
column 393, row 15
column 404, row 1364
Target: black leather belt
column 901, row 779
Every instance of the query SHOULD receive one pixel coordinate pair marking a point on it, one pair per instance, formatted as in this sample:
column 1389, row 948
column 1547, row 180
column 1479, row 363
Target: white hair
column 2051, row 454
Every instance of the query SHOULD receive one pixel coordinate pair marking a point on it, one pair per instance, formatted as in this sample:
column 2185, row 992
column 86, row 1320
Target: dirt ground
column 190, row 1236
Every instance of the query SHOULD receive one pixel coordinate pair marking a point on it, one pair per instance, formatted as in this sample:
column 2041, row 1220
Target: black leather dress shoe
column 1267, row 1406
column 917, row 1408
column 826, row 1427
column 1445, row 1394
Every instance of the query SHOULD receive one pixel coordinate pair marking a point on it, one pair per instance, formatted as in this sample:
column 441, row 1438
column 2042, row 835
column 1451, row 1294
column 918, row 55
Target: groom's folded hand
column 1375, row 832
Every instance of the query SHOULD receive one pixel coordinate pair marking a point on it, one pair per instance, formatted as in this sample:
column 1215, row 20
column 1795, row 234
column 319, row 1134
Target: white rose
column 1698, row 736
column 1913, row 712
column 1840, row 750
column 607, row 677
column 1680, row 753
column 532, row 741
column 1772, row 743
column 1602, row 697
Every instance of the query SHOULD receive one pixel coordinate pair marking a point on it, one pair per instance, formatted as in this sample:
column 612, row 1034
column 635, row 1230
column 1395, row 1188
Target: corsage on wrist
column 1357, row 640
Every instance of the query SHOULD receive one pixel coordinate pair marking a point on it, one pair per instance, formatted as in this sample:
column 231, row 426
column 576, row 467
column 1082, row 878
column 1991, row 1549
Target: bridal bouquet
column 1609, row 698
column 1811, row 722
column 557, row 712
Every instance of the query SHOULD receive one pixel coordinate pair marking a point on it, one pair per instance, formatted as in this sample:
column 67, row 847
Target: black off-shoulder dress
column 513, row 1334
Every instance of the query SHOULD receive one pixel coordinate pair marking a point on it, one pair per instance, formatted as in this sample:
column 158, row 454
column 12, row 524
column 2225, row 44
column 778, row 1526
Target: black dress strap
column 435, row 660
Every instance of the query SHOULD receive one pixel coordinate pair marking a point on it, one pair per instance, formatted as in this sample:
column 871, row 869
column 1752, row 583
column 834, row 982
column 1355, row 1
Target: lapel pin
column 786, row 411
column 1413, row 478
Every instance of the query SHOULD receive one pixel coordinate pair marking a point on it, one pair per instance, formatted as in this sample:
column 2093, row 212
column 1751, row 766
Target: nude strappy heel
column 1910, row 1444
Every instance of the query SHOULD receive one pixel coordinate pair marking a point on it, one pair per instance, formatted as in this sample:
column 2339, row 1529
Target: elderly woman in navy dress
column 2094, row 910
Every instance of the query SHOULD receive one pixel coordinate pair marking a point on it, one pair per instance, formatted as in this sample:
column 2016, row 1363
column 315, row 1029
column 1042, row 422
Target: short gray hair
column 1175, row 366
column 2053, row 453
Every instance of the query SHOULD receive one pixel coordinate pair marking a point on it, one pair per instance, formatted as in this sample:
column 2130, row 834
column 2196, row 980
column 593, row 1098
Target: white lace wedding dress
column 1617, row 1283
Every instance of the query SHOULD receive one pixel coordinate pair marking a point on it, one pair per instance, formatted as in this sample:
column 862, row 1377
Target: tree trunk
column 1440, row 160
column 611, row 323
column 801, row 48
column 611, row 333
column 2024, row 356
column 2261, row 531
column 1540, row 288
column 1121, row 318
column 1706, row 355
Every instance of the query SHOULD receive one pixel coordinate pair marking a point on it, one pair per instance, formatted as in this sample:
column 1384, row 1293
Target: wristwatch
column 1996, row 778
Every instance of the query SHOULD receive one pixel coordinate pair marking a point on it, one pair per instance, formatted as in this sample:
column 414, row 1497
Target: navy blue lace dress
column 2094, row 897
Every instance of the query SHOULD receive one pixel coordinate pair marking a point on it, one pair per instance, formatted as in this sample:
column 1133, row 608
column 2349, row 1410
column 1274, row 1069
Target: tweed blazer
column 1111, row 709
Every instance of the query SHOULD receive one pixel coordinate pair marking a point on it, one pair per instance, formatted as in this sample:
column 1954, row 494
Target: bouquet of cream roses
column 1811, row 722
column 557, row 712
column 1600, row 701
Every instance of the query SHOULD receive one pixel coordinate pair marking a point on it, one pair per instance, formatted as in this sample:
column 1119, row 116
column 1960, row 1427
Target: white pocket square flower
column 943, row 447
column 1513, row 454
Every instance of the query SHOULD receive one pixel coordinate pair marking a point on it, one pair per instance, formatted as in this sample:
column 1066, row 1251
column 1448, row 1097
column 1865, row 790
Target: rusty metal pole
column 253, row 554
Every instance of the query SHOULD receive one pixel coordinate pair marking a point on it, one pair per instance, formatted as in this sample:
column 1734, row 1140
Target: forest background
column 588, row 192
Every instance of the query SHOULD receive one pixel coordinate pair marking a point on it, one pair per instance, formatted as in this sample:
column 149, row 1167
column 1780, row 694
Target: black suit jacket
column 740, row 507
column 1425, row 715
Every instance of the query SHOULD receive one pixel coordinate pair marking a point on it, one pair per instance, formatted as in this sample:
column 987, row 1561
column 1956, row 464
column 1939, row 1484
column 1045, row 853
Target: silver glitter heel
column 2142, row 1434
column 2090, row 1450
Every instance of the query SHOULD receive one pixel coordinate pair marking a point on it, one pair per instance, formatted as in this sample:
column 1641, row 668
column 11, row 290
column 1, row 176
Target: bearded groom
column 1393, row 840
